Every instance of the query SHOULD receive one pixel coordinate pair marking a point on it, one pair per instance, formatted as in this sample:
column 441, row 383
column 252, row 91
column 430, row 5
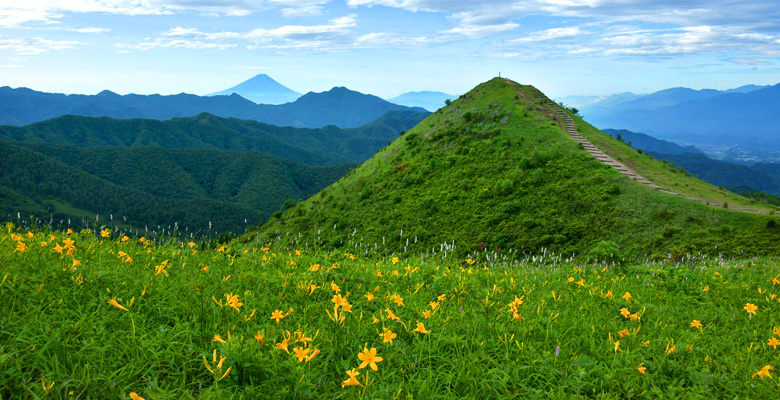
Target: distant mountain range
column 261, row 89
column 666, row 97
column 430, row 101
column 745, row 117
column 339, row 106
column 721, row 118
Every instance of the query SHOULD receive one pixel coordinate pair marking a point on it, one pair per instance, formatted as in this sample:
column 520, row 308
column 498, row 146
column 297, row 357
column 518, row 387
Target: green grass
column 68, row 209
column 57, row 324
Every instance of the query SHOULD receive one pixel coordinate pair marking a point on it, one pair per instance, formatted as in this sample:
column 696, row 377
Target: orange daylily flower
column 283, row 345
column 388, row 336
column 301, row 353
column 369, row 358
column 114, row 303
column 277, row 315
column 420, row 328
column 233, row 302
column 764, row 372
column 352, row 381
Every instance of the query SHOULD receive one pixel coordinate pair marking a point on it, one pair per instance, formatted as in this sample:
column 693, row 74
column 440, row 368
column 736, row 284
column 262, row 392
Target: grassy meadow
column 99, row 315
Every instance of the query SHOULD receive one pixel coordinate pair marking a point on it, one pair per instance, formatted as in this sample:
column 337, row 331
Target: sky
column 388, row 47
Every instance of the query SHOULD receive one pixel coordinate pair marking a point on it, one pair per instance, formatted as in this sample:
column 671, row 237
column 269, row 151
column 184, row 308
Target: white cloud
column 93, row 30
column 51, row 11
column 735, row 44
column 336, row 26
column 474, row 18
column 687, row 40
column 13, row 15
column 193, row 33
column 300, row 8
column 34, row 46
column 299, row 3
column 686, row 12
column 331, row 36
column 390, row 40
column 481, row 30
column 632, row 42
column 550, row 34
column 307, row 11
column 574, row 27
column 176, row 43
column 179, row 31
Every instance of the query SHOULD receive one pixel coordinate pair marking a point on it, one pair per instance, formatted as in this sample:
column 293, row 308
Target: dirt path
column 571, row 130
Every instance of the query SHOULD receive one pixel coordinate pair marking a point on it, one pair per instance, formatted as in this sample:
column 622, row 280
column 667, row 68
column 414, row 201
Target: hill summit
column 261, row 89
column 497, row 170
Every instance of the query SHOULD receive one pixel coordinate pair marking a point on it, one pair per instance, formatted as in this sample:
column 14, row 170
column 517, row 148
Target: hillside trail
column 598, row 154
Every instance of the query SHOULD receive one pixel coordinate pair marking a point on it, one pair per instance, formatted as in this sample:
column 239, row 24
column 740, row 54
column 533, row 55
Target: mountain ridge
column 725, row 112
column 341, row 107
column 583, row 102
column 322, row 146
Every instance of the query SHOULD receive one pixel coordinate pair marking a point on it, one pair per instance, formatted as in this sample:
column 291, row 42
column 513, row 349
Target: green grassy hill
column 495, row 170
column 154, row 186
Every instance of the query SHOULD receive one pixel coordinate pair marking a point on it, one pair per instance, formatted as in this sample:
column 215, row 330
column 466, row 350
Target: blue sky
column 387, row 47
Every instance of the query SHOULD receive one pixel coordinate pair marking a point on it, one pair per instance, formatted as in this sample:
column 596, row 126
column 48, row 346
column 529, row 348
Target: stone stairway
column 571, row 130
column 593, row 150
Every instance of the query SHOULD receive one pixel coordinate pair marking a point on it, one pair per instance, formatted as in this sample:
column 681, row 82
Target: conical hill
column 496, row 169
